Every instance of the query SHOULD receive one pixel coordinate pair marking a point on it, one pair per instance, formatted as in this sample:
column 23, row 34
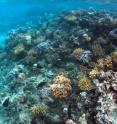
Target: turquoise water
column 19, row 13
column 58, row 62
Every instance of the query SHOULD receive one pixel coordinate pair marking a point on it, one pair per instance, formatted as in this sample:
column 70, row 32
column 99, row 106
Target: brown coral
column 85, row 84
column 37, row 110
column 61, row 87
column 77, row 52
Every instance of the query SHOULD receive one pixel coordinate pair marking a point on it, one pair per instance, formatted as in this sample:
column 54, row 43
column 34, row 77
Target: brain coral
column 61, row 87
column 85, row 84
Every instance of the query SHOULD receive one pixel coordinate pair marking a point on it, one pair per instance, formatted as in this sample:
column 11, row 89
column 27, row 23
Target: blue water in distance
column 15, row 13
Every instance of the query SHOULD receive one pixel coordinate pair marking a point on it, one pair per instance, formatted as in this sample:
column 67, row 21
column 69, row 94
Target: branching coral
column 94, row 73
column 107, row 107
column 61, row 87
column 85, row 84
column 37, row 110
column 104, row 63
column 97, row 50
column 77, row 53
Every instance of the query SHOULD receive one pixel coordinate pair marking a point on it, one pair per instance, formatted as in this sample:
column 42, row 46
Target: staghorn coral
column 38, row 110
column 85, row 84
column 61, row 87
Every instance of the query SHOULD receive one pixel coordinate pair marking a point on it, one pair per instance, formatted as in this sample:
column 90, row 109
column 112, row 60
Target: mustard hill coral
column 61, row 87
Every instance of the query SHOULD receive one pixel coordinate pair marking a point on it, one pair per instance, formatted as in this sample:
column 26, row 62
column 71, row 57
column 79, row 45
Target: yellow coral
column 94, row 73
column 19, row 49
column 85, row 84
column 37, row 110
column 77, row 52
column 61, row 87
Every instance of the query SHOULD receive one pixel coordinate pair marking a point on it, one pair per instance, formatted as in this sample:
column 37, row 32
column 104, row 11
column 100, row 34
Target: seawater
column 24, row 77
column 19, row 13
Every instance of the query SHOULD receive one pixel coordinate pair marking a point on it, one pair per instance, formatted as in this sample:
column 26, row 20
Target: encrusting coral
column 61, row 87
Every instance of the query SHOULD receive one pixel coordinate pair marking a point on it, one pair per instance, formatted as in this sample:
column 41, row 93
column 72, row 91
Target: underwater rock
column 113, row 36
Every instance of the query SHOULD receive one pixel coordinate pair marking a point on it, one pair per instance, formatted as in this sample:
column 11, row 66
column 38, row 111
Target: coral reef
column 107, row 108
column 61, row 71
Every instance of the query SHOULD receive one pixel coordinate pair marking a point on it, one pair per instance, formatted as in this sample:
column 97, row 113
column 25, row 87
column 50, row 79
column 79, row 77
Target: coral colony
column 63, row 71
